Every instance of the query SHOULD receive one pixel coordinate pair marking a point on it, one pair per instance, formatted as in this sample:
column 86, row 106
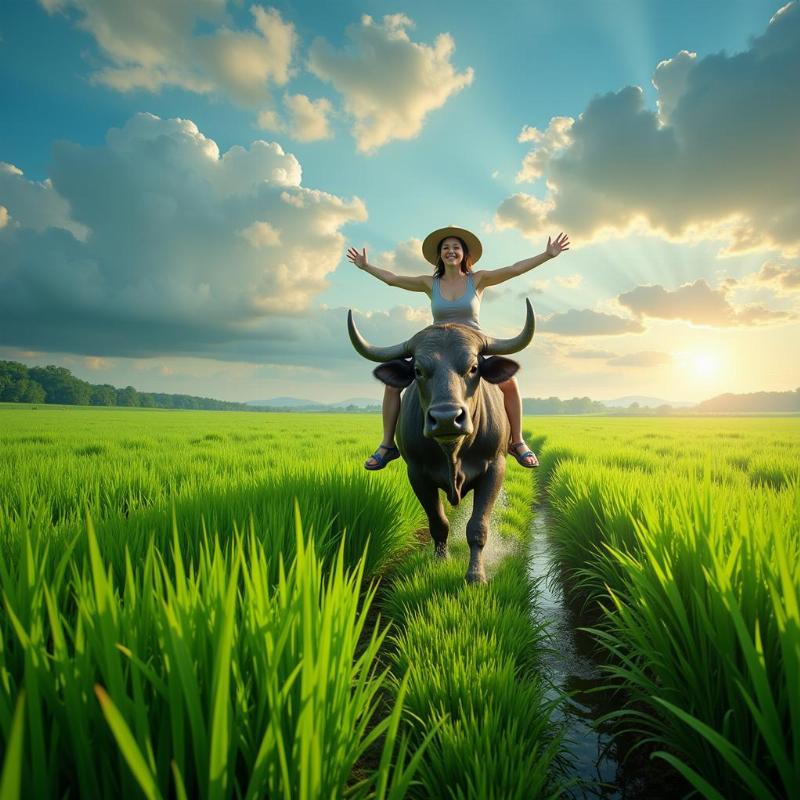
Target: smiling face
column 451, row 251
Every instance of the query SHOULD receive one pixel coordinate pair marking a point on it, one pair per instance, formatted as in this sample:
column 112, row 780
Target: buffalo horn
column 373, row 353
column 504, row 347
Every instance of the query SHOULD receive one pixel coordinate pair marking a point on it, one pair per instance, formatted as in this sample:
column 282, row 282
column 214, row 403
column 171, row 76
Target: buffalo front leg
column 428, row 496
column 485, row 493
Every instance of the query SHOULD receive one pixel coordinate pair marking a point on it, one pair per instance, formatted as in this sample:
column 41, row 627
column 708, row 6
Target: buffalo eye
column 473, row 370
column 418, row 371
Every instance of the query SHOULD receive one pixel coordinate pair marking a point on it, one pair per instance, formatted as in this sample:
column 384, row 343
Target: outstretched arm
column 491, row 277
column 414, row 283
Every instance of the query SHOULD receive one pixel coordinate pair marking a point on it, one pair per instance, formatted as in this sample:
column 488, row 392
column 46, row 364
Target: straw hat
column 430, row 247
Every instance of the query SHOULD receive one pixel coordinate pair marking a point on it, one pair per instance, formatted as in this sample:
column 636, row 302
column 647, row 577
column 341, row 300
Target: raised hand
column 561, row 243
column 359, row 259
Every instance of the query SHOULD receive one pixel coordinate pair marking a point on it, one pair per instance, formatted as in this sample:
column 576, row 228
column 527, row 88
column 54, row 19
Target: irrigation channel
column 568, row 661
column 572, row 668
column 602, row 767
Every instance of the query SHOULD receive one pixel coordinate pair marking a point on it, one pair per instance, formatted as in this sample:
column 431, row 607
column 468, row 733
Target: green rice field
column 224, row 604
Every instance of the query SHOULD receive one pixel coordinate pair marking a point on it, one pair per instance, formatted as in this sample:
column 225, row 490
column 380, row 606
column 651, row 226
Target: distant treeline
column 21, row 384
column 756, row 402
column 552, row 405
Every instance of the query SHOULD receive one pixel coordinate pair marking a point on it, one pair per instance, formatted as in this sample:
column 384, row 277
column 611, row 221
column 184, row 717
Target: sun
column 704, row 364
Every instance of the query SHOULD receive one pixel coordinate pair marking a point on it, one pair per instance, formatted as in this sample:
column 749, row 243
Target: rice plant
column 187, row 640
column 207, row 679
column 697, row 571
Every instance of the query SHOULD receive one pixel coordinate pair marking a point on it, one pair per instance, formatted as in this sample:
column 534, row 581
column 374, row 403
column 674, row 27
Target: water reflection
column 572, row 669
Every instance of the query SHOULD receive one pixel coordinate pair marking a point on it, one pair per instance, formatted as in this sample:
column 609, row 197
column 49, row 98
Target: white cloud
column 389, row 82
column 393, row 325
column 270, row 120
column 642, row 359
column 151, row 44
column 718, row 159
column 569, row 281
column 309, row 118
column 548, row 143
column 670, row 79
column 525, row 213
column 585, row 322
column 262, row 234
column 187, row 249
column 782, row 277
column 699, row 304
column 33, row 204
column 405, row 259
column 591, row 354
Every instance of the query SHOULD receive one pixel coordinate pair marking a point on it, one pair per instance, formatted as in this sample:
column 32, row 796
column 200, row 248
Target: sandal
column 391, row 454
column 512, row 449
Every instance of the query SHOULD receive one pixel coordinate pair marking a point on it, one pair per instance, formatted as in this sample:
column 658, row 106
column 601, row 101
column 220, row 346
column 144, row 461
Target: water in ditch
column 571, row 664
column 573, row 670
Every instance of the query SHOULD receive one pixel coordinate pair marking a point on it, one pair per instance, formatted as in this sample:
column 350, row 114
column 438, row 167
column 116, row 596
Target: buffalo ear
column 398, row 373
column 497, row 369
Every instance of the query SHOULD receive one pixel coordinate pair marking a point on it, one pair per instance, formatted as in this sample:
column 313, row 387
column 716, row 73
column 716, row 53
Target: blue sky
column 182, row 181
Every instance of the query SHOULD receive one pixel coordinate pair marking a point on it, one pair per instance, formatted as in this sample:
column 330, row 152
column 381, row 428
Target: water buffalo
column 453, row 430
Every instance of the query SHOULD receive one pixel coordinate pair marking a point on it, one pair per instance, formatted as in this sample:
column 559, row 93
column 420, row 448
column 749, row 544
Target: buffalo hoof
column 476, row 576
column 440, row 550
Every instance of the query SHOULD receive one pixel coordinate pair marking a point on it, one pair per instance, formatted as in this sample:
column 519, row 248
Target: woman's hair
column 466, row 262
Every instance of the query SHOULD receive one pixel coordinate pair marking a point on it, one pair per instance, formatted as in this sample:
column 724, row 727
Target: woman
column 455, row 292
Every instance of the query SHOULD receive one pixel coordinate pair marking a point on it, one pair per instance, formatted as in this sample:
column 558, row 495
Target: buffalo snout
column 447, row 420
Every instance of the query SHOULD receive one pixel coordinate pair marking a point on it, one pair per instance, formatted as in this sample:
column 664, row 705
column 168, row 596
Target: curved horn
column 373, row 353
column 504, row 347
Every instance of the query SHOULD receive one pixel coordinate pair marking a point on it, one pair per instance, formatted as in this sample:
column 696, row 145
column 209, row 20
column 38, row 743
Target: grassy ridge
column 469, row 655
column 212, row 680
column 687, row 534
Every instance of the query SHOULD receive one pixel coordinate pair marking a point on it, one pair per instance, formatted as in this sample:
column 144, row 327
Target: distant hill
column 283, row 402
column 297, row 403
column 757, row 402
column 645, row 402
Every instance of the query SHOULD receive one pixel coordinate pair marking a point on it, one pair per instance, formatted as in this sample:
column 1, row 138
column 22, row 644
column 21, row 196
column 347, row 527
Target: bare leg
column 513, row 404
column 391, row 410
